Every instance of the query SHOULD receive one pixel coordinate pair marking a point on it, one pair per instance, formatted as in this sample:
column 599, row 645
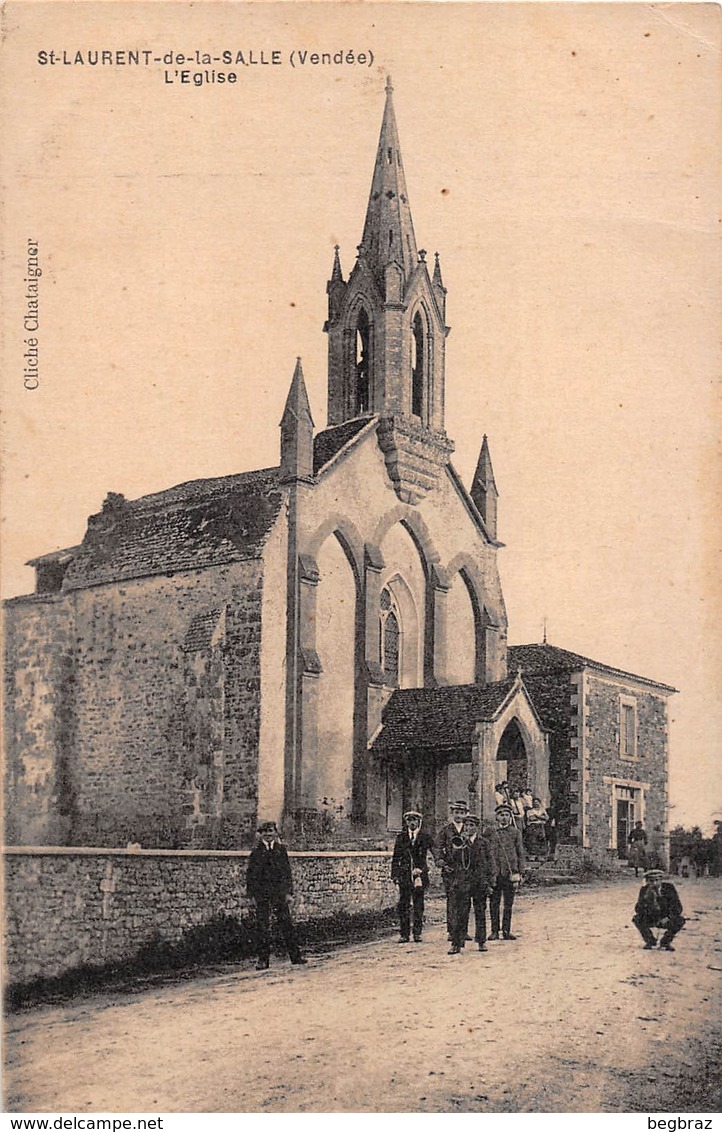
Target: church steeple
column 388, row 234
column 483, row 489
column 386, row 330
column 297, row 431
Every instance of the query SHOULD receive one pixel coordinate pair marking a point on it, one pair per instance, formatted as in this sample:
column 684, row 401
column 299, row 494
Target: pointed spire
column 388, row 235
column 483, row 488
column 297, row 431
column 336, row 272
column 437, row 280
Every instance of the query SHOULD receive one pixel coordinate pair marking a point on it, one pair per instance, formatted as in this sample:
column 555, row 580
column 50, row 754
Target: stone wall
column 552, row 696
column 134, row 712
column 68, row 909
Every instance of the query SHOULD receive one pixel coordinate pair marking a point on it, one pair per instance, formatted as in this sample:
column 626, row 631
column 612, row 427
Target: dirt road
column 572, row 1017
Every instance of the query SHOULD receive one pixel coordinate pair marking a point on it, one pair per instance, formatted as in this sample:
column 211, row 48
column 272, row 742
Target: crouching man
column 658, row 906
column 270, row 886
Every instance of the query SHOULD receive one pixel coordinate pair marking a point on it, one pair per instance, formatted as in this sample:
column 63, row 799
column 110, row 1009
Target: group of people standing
column 530, row 816
column 476, row 866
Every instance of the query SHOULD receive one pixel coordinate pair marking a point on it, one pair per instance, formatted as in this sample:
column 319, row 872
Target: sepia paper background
column 563, row 159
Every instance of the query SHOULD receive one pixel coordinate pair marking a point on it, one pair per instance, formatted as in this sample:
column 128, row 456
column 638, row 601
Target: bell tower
column 387, row 332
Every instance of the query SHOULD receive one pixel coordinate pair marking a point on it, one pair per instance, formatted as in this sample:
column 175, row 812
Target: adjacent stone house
column 323, row 642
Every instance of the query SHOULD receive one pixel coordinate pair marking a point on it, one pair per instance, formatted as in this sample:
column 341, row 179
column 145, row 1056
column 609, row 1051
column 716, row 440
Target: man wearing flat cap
column 483, row 872
column 270, row 885
column 658, row 906
column 510, row 861
column 410, row 871
column 442, row 852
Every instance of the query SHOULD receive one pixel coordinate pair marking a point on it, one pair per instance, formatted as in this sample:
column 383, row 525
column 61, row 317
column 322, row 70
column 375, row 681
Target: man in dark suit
column 483, row 870
column 508, row 853
column 410, row 871
column 270, row 885
column 442, row 852
column 658, row 906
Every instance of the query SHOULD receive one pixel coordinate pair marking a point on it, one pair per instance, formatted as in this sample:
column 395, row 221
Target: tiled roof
column 194, row 525
column 544, row 659
column 442, row 718
column 328, row 443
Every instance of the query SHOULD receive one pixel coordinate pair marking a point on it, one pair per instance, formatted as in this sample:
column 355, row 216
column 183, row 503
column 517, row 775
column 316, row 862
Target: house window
column 627, row 727
column 390, row 639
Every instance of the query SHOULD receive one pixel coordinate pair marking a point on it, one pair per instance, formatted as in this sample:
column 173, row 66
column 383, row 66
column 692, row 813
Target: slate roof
column 201, row 523
column 328, row 443
column 540, row 660
column 194, row 525
column 438, row 718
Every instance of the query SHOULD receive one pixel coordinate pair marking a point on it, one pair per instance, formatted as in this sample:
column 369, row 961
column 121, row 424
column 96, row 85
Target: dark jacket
column 408, row 856
column 653, row 907
column 269, row 873
column 442, row 846
column 508, row 851
column 484, row 867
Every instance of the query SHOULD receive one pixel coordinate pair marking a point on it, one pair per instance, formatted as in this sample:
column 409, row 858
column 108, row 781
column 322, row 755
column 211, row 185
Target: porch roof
column 438, row 718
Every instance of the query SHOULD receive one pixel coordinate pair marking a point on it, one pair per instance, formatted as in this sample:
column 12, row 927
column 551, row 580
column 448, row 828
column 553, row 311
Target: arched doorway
column 512, row 752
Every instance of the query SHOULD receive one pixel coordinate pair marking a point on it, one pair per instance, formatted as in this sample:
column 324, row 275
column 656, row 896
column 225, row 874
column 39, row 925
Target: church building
column 323, row 642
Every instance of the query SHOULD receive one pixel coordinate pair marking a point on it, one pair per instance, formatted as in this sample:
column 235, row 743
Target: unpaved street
column 572, row 1017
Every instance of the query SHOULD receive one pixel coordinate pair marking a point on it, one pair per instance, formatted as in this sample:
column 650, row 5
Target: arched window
column 363, row 364
column 390, row 639
column 418, row 365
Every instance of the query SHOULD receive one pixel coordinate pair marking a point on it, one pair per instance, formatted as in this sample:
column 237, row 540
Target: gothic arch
column 348, row 535
column 421, row 362
column 464, row 565
column 360, row 352
column 328, row 759
column 516, row 750
column 410, row 666
column 417, row 529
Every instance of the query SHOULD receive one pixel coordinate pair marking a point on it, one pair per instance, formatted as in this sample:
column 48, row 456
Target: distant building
column 323, row 642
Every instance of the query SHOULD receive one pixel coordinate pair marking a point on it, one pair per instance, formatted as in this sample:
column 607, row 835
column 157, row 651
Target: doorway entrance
column 626, row 804
column 513, row 752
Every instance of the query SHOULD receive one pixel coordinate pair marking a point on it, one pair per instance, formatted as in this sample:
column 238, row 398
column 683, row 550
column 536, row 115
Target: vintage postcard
column 360, row 558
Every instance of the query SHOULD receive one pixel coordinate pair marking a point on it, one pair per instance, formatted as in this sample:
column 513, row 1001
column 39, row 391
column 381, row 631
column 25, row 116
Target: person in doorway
column 518, row 812
column 508, row 850
column 658, row 906
column 442, row 849
column 270, row 885
column 536, row 822
column 410, row 871
column 637, row 842
column 501, row 793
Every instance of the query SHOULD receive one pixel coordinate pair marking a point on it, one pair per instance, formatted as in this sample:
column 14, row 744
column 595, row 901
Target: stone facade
column 608, row 750
column 637, row 782
column 70, row 909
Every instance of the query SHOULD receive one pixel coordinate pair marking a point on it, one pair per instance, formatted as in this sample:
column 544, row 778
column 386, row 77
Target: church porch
column 456, row 742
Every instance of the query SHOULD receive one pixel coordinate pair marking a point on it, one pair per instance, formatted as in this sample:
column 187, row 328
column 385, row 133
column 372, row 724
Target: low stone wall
column 69, row 909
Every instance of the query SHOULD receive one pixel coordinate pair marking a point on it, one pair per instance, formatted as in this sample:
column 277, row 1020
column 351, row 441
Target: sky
column 563, row 160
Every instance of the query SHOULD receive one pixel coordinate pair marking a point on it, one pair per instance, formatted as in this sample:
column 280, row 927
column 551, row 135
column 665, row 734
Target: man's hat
column 472, row 819
column 412, row 814
column 458, row 805
column 266, row 825
column 502, row 808
column 653, row 874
